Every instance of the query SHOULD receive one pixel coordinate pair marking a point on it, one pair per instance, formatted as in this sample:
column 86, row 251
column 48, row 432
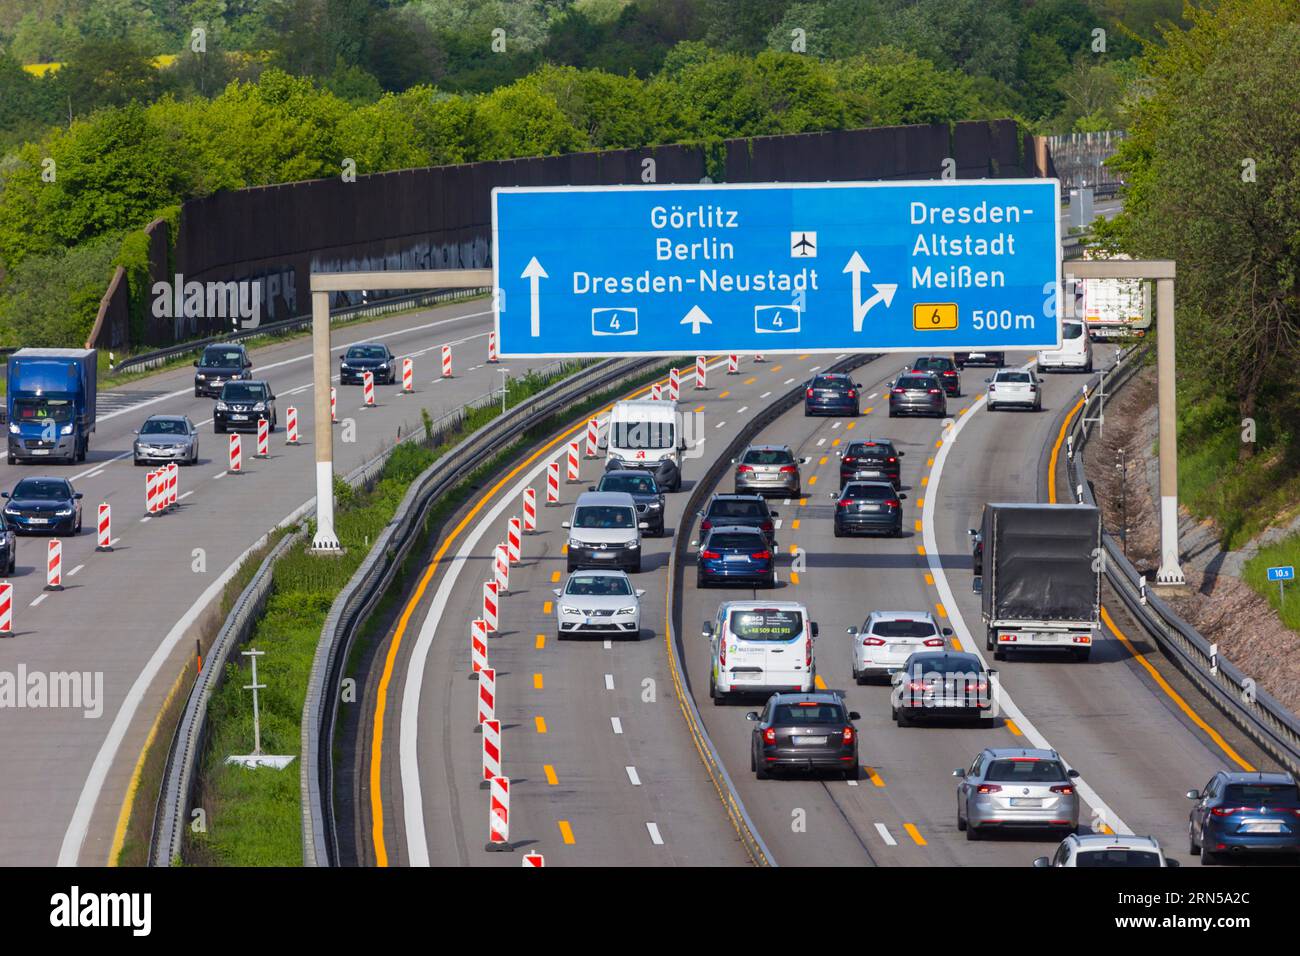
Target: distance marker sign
column 753, row 268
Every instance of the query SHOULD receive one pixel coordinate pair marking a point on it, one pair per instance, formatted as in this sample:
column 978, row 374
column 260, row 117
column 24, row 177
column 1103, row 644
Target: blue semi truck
column 51, row 404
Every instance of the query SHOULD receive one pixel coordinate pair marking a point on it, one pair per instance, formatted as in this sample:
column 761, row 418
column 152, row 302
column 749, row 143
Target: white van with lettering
column 648, row 435
column 760, row 647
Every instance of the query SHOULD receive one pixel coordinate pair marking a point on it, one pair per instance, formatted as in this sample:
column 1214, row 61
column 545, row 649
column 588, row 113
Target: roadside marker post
column 173, row 473
column 733, row 364
column 514, row 543
column 334, row 400
column 501, row 568
column 491, row 752
column 54, row 565
column 553, row 484
column 574, row 472
column 478, row 651
column 499, row 815
column 656, row 392
column 674, row 384
column 6, row 608
column 368, row 388
column 408, row 376
column 446, row 361
column 263, row 438
column 530, row 510
column 701, row 373
column 236, row 456
column 487, row 697
column 492, row 348
column 534, row 860
column 291, row 425
column 490, row 605
column 104, row 526
column 593, row 436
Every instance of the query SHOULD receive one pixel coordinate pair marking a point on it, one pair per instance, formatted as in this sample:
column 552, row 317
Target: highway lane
column 1133, row 747
column 126, row 615
column 586, row 790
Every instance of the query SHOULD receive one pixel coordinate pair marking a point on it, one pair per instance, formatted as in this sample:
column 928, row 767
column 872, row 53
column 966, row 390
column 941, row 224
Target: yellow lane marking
column 1056, row 450
column 929, row 463
column 802, row 502
column 929, row 578
column 943, row 612
column 920, row 549
column 540, row 723
column 794, row 549
column 1182, row 704
column 802, row 357
column 961, row 411
column 869, row 409
column 541, row 641
column 821, row 684
column 724, row 394
column 751, row 380
column 566, row 831
column 794, row 525
column 925, row 480
column 700, row 409
column 938, row 443
column 918, row 524
column 874, row 777
column 546, row 609
column 794, row 577
column 551, row 778
column 1011, row 726
column 835, row 442
column 812, row 480
column 776, row 368
column 956, row 645
column 852, row 425
column 822, row 460
column 537, row 681
column 914, row 833
column 1105, row 828
column 920, row 502
column 564, row 548
column 555, row 577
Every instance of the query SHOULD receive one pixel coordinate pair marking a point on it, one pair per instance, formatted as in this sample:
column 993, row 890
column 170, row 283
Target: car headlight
column 13, row 428
column 221, row 406
column 67, row 429
column 260, row 407
column 570, row 610
column 627, row 610
column 632, row 544
column 344, row 365
column 575, row 543
column 654, row 506
column 201, row 377
column 11, row 510
column 65, row 512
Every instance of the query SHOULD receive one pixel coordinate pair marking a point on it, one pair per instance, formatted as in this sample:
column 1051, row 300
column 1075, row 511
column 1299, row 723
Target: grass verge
column 1255, row 573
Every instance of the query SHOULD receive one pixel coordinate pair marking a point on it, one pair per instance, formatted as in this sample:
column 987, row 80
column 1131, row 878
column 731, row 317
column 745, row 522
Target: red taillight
column 807, row 654
column 898, row 391
column 722, row 652
column 933, row 391
column 808, row 394
column 894, row 503
column 848, row 736
column 769, row 736
column 845, row 502
column 950, row 374
column 934, row 642
column 788, row 469
column 762, row 555
column 710, row 555
column 1228, row 811
column 988, row 788
column 1065, row 788
column 893, row 460
column 849, row 459
column 852, row 394
column 766, row 526
column 916, row 685
column 706, row 524
column 872, row 642
column 744, row 470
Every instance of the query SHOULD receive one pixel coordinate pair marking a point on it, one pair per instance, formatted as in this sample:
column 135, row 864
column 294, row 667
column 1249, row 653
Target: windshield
column 736, row 541
column 867, row 451
column 1117, row 858
column 766, row 624
column 40, row 409
column 902, row 628
column 240, row 392
column 1019, row 377
column 42, row 488
column 367, row 352
column 768, row 456
column 1025, row 770
column 933, row 364
column 737, row 508
column 632, row 484
column 653, row 435
column 222, row 358
column 598, row 585
column 164, row 426
column 604, row 516
column 917, row 381
column 809, row 713
column 1261, row 795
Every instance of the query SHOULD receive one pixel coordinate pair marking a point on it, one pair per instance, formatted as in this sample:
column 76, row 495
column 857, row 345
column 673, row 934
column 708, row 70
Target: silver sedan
column 601, row 602
column 1016, row 788
column 167, row 438
column 768, row 470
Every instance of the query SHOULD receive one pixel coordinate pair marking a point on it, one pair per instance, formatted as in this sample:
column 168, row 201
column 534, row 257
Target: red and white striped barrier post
column 553, row 484
column 733, row 364
column 674, row 384
column 530, row 510
column 368, row 389
column 656, row 391
column 173, row 484
column 150, row 492
column 514, row 541
column 104, row 526
column 6, row 608
column 490, row 605
column 263, row 438
column 236, row 455
column 291, row 425
column 491, row 752
column 487, row 696
column 534, row 860
column 492, row 347
column 501, row 568
column 478, row 650
column 446, row 361
column 334, row 401
column 593, row 436
column 701, row 372
column 54, row 565
column 574, row 474
column 408, row 376
column 759, row 358
column 499, row 815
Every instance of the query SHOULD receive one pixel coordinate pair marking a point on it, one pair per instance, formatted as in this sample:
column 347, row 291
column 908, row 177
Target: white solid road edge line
column 1107, row 815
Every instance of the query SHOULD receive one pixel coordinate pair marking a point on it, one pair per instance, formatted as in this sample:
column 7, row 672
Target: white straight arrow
column 695, row 318
column 884, row 291
column 533, row 272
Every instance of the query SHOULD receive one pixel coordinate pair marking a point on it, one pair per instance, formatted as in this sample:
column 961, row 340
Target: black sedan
column 43, row 505
column 644, row 491
column 804, row 732
column 867, row 506
column 744, row 511
column 218, row 365
column 943, row 367
column 832, row 393
column 372, row 357
column 942, row 684
column 873, row 458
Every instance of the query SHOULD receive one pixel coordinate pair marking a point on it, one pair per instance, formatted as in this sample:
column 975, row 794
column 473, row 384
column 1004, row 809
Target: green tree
column 610, row 111
column 521, row 120
column 52, row 299
column 109, row 72
column 891, row 87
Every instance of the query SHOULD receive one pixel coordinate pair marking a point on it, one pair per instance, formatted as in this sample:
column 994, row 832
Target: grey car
column 1016, row 788
column 768, row 470
column 167, row 438
column 917, row 393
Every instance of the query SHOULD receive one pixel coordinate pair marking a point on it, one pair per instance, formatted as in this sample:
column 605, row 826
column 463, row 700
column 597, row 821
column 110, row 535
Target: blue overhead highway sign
column 770, row 267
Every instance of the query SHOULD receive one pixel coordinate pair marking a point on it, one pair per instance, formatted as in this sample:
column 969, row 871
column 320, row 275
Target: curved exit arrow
column 884, row 291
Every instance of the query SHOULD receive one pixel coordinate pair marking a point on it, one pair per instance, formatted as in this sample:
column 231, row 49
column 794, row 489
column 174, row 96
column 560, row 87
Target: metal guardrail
column 749, row 836
column 372, row 578
column 1260, row 716
column 149, row 360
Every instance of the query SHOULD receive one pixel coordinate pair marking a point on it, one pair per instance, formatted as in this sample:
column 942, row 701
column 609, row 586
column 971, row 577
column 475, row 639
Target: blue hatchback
column 1244, row 814
column 736, row 555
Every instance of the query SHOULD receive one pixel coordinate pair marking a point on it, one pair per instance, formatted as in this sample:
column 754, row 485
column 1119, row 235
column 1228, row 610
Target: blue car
column 43, row 505
column 731, row 555
column 832, row 393
column 1244, row 814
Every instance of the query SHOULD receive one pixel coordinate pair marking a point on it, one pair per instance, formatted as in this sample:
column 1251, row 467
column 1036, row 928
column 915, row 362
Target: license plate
column 868, row 507
column 239, row 418
column 1042, row 637
column 745, row 677
column 810, row 741
column 40, row 451
column 1026, row 802
column 734, row 557
column 38, row 520
column 869, row 474
column 1262, row 826
column 602, row 554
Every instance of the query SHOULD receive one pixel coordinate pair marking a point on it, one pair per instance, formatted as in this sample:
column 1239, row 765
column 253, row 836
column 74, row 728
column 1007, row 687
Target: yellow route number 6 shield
column 934, row 315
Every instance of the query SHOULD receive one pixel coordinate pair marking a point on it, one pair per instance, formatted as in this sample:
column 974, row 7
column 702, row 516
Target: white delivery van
column 648, row 435
column 760, row 647
column 1075, row 352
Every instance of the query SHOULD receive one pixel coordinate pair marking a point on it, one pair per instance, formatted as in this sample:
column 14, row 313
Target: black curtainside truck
column 1041, row 582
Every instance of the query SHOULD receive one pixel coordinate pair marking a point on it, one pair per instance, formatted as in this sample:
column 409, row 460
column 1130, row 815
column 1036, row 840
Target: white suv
column 1075, row 352
column 1107, row 849
column 888, row 638
column 601, row 602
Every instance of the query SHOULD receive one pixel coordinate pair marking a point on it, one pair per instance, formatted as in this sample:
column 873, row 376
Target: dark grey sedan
column 918, row 393
column 768, row 470
column 167, row 438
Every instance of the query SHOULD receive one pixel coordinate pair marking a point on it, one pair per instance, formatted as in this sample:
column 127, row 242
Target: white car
column 760, row 647
column 1012, row 387
column 601, row 602
column 1107, row 849
column 888, row 638
column 1075, row 353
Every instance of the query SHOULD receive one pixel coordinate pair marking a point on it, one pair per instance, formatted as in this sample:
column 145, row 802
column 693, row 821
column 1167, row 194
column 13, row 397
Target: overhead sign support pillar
column 326, row 541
